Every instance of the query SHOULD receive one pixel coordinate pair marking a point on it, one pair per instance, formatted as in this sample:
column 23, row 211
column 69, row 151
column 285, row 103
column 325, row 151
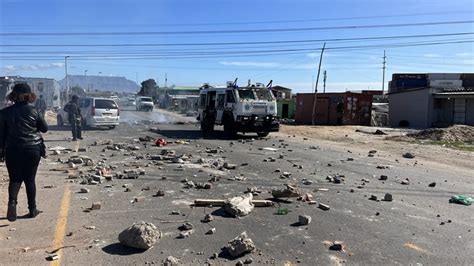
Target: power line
column 241, row 23
column 233, row 31
column 245, row 43
column 242, row 53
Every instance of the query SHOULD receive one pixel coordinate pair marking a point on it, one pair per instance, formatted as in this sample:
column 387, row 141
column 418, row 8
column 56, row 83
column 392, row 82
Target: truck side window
column 230, row 96
column 220, row 100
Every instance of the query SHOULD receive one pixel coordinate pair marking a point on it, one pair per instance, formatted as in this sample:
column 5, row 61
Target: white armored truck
column 239, row 109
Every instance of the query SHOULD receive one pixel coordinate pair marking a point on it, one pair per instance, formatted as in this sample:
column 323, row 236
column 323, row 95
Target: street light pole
column 85, row 77
column 67, row 78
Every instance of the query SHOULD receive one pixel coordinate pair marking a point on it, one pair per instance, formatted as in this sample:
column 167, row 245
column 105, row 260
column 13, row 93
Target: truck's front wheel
column 263, row 134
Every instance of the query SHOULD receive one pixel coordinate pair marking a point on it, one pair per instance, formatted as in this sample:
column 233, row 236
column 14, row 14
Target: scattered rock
column 229, row 166
column 383, row 177
column 288, row 192
column 171, row 261
column 141, row 235
column 96, row 206
column 208, row 218
column 84, row 190
column 336, row 246
column 159, row 193
column 239, row 206
column 405, row 182
column 408, row 155
column 304, row 219
column 324, row 207
column 185, row 234
column 240, row 245
column 432, row 184
column 211, row 231
column 185, row 227
column 388, row 197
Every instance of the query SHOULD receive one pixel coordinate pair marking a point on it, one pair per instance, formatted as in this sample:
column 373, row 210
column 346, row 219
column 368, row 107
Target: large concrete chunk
column 141, row 235
column 288, row 192
column 239, row 206
column 240, row 245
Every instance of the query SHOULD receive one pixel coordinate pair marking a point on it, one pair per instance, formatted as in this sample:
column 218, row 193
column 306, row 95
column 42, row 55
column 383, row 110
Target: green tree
column 148, row 88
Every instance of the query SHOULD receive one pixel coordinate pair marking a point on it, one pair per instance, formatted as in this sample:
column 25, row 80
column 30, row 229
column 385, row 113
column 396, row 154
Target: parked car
column 144, row 103
column 131, row 102
column 96, row 112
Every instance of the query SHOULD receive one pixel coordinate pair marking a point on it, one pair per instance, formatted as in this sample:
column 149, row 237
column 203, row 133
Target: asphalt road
column 418, row 226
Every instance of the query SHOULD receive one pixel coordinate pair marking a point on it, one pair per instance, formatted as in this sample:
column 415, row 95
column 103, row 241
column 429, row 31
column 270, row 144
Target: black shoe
column 33, row 213
column 11, row 212
column 74, row 139
column 80, row 138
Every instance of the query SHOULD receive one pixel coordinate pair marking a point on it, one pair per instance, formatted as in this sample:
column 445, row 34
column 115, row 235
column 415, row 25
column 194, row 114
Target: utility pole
column 67, row 78
column 85, row 81
column 313, row 117
column 166, row 80
column 383, row 75
column 324, row 81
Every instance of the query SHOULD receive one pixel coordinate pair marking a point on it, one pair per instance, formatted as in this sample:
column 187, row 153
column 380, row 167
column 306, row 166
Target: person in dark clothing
column 21, row 146
column 74, row 116
column 340, row 112
column 41, row 105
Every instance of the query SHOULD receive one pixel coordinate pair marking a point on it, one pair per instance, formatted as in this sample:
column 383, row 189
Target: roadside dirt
column 395, row 143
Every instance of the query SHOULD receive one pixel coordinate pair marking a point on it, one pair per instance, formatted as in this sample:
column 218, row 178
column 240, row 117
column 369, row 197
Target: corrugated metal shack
column 346, row 108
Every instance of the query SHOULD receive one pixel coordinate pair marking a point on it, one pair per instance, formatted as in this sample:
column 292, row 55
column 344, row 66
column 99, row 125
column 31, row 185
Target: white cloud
column 313, row 55
column 252, row 64
column 464, row 54
column 431, row 55
column 8, row 69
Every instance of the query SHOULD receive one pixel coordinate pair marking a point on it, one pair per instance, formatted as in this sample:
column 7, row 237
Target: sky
column 213, row 41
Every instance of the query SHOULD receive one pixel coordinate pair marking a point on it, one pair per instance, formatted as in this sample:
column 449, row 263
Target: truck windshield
column 263, row 94
column 246, row 95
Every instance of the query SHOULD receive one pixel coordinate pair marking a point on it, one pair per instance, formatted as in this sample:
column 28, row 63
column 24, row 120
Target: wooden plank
column 221, row 202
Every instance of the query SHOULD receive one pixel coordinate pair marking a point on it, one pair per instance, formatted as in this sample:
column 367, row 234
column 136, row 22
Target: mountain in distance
column 102, row 83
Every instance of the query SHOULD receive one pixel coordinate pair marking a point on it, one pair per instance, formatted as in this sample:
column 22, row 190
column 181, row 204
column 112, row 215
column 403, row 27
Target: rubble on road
column 171, row 261
column 336, row 246
column 288, row 192
column 239, row 206
column 324, row 207
column 103, row 142
column 408, row 155
column 208, row 218
column 141, row 235
column 336, row 178
column 240, row 245
column 304, row 219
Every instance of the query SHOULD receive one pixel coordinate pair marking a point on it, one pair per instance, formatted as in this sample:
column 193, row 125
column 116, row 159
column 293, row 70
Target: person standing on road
column 21, row 146
column 74, row 116
column 41, row 106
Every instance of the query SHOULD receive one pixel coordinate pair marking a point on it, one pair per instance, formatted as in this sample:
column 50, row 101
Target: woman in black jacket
column 22, row 146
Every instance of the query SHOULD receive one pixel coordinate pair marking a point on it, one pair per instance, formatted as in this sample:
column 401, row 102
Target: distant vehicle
column 115, row 98
column 96, row 112
column 144, row 103
column 238, row 109
column 131, row 102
